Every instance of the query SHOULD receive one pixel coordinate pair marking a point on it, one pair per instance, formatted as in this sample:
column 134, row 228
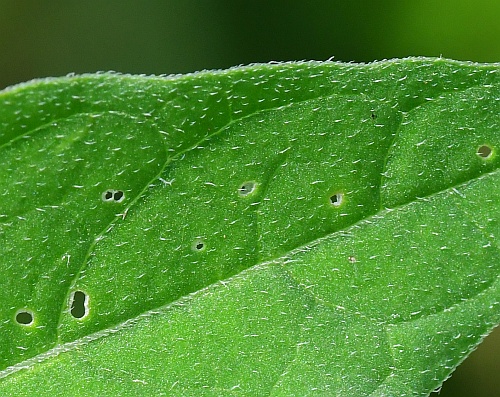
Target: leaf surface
column 298, row 229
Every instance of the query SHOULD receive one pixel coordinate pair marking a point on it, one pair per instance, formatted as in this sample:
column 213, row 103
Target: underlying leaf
column 290, row 229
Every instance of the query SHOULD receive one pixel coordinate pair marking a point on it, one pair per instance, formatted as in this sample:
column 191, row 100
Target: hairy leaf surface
column 295, row 229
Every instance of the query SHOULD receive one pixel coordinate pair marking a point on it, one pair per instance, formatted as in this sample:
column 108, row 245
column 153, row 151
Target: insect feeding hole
column 336, row 199
column 111, row 195
column 198, row 245
column 246, row 188
column 484, row 151
column 24, row 317
column 79, row 304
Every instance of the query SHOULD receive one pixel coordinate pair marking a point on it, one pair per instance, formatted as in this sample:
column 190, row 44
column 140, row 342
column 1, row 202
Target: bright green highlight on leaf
column 299, row 229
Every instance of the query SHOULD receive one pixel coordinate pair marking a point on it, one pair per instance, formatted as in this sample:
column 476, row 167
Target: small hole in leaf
column 118, row 196
column 198, row 245
column 107, row 195
column 352, row 259
column 246, row 188
column 24, row 317
column 79, row 304
column 336, row 199
column 484, row 151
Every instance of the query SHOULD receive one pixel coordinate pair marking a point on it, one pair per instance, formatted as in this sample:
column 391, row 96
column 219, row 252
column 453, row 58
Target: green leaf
column 294, row 229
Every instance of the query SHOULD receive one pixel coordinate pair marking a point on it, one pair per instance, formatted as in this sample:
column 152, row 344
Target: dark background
column 53, row 38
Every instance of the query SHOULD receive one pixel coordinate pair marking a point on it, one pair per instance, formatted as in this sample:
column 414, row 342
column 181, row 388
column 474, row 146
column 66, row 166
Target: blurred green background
column 39, row 39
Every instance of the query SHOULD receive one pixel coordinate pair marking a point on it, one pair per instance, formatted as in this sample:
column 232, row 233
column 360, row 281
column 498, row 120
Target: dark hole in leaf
column 113, row 195
column 336, row 199
column 24, row 318
column 484, row 151
column 373, row 116
column 198, row 245
column 78, row 309
column 246, row 188
column 118, row 195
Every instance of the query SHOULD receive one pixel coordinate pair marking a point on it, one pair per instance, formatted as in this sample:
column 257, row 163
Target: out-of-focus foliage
column 53, row 38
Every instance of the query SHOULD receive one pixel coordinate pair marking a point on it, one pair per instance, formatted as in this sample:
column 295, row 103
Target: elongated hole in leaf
column 79, row 304
column 336, row 199
column 24, row 317
column 484, row 151
column 246, row 188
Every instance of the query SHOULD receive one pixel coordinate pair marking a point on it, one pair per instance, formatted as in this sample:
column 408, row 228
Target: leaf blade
column 348, row 109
